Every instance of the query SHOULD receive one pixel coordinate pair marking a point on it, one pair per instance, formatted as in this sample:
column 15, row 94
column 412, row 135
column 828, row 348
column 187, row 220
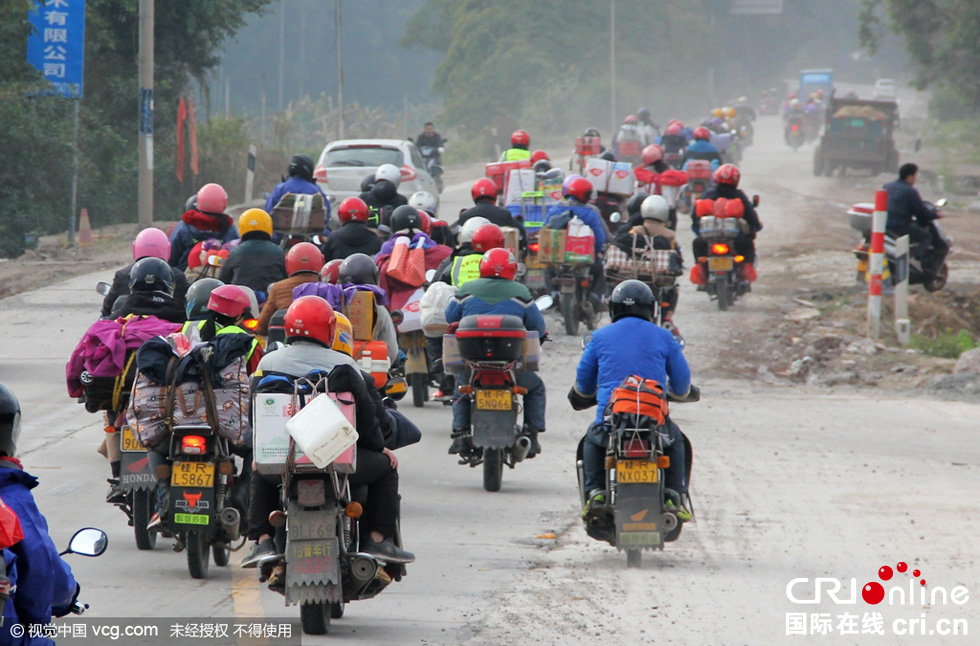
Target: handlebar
column 79, row 608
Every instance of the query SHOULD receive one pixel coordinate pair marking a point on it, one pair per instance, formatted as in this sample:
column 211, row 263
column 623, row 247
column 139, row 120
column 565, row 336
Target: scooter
column 795, row 130
column 433, row 162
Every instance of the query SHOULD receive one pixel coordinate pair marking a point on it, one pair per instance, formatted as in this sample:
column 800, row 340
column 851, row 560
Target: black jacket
column 905, row 205
column 730, row 192
column 257, row 263
column 120, row 287
column 353, row 237
column 158, row 304
column 498, row 215
column 381, row 201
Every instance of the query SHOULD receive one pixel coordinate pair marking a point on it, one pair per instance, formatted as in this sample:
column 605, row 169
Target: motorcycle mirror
column 755, row 200
column 317, row 240
column 616, row 217
column 521, row 269
column 941, row 202
column 397, row 317
column 214, row 260
column 585, row 340
column 544, row 301
column 88, row 541
column 429, row 275
column 442, row 149
column 103, row 288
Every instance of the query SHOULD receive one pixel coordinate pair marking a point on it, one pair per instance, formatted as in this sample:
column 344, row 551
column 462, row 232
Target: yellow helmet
column 717, row 112
column 254, row 220
column 728, row 112
column 343, row 339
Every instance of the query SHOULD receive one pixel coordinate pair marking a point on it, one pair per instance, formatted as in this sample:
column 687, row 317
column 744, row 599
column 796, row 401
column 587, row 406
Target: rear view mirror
column 521, row 269
column 103, row 288
column 430, row 274
column 544, row 302
column 88, row 542
column 397, row 317
column 616, row 217
column 755, row 200
column 941, row 202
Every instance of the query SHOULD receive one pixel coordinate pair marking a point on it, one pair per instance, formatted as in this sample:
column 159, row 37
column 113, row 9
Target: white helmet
column 654, row 207
column 469, row 228
column 388, row 172
column 424, row 201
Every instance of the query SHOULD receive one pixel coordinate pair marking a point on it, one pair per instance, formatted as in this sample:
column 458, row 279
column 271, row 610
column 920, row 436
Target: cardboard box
column 497, row 171
column 270, row 440
column 512, row 238
column 519, row 181
column 552, row 249
column 610, row 177
column 361, row 312
column 580, row 249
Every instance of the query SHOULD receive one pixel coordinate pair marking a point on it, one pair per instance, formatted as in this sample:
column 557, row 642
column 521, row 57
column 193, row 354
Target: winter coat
column 353, row 237
column 158, row 304
column 497, row 215
column 701, row 149
column 255, row 263
column 381, row 200
column 281, row 297
column 195, row 226
column 120, row 287
column 496, row 296
column 296, row 186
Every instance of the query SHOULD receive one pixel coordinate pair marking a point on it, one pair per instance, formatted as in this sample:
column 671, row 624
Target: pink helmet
column 212, row 199
column 151, row 243
column 230, row 300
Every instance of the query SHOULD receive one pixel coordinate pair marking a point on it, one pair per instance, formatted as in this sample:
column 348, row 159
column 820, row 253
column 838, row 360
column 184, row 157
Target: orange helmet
column 727, row 174
column 311, row 317
column 487, row 237
column 498, row 263
column 652, row 154
column 353, row 208
column 304, row 256
column 483, row 188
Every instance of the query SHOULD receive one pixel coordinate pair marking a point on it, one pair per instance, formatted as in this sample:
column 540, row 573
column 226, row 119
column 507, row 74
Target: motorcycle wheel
column 938, row 281
column 220, row 555
column 315, row 618
column 569, row 312
column 634, row 558
column 337, row 610
column 493, row 469
column 198, row 555
column 418, row 382
column 724, row 295
column 142, row 511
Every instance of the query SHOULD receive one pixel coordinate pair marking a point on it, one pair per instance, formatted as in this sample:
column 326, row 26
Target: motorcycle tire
column 337, row 610
column 315, row 618
column 493, row 469
column 634, row 558
column 220, row 555
column 937, row 282
column 674, row 534
column 419, row 384
column 142, row 512
column 198, row 554
column 569, row 312
column 724, row 295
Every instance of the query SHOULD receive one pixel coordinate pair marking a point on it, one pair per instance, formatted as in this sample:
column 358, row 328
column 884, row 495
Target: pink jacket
column 103, row 349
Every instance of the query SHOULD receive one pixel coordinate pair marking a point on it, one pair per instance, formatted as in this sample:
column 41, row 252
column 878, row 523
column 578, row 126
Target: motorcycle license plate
column 494, row 400
column 636, row 472
column 721, row 263
column 129, row 442
column 192, row 474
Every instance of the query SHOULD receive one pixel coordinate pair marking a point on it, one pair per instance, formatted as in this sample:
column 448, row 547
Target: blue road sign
column 57, row 46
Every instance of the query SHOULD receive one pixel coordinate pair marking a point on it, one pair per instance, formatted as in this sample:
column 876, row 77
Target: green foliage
column 948, row 103
column 949, row 345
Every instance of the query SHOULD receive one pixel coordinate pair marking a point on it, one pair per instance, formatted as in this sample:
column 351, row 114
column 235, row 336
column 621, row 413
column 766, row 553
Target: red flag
column 181, row 117
column 193, row 134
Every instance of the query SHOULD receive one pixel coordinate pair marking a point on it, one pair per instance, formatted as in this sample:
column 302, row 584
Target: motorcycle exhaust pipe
column 669, row 522
column 521, row 448
column 230, row 521
column 363, row 569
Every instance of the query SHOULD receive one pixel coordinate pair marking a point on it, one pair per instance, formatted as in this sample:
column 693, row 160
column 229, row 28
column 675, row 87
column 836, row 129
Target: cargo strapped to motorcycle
column 638, row 403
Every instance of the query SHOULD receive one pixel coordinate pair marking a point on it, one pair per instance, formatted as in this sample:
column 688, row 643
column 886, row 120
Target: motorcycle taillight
column 193, row 445
column 636, row 448
column 492, row 378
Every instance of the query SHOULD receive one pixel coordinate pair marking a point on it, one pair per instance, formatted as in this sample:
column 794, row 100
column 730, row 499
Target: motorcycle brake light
column 739, row 258
column 193, row 445
column 719, row 248
column 636, row 448
column 794, row 127
column 320, row 174
column 534, row 246
column 408, row 173
column 250, row 324
column 493, row 378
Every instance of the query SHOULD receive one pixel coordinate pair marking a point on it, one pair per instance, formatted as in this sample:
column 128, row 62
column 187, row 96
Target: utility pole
column 146, row 45
column 341, row 126
column 282, row 49
column 302, row 47
column 612, row 68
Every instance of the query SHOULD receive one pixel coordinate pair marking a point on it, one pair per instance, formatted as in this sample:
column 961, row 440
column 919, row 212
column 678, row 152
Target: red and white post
column 877, row 263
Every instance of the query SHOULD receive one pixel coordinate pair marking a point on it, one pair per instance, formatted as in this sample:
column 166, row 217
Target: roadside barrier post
column 250, row 175
column 903, row 327
column 876, row 263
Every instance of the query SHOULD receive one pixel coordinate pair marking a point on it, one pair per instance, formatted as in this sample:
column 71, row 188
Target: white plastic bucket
column 322, row 431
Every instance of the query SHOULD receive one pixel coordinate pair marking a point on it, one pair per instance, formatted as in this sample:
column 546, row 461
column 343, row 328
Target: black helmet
column 608, row 156
column 191, row 203
column 633, row 205
column 591, row 132
column 367, row 183
column 358, row 269
column 151, row 275
column 643, row 115
column 197, row 298
column 301, row 166
column 406, row 217
column 631, row 298
column 9, row 421
column 542, row 167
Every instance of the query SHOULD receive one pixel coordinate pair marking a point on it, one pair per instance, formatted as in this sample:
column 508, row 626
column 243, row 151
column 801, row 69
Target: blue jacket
column 45, row 585
column 496, row 296
column 701, row 149
column 586, row 213
column 297, row 186
column 195, row 226
column 630, row 346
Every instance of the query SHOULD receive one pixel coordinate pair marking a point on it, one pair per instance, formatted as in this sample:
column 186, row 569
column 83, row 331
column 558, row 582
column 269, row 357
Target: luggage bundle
column 638, row 403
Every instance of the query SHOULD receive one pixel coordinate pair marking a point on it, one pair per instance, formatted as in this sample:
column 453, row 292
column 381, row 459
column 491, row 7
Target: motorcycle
column 726, row 281
column 635, row 465
column 675, row 160
column 794, row 130
column 432, row 156
column 933, row 278
column 658, row 268
column 698, row 181
column 574, row 283
column 608, row 204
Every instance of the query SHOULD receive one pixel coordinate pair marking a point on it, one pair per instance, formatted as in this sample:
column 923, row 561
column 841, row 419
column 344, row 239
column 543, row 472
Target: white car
column 886, row 90
column 344, row 164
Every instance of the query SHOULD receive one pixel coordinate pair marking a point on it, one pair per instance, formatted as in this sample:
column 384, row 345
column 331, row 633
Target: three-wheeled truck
column 857, row 134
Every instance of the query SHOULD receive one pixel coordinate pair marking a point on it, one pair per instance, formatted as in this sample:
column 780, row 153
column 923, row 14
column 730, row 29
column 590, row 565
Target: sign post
column 877, row 262
column 903, row 327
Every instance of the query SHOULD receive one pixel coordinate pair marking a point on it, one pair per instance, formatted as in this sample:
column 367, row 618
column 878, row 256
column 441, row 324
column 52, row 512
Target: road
column 788, row 483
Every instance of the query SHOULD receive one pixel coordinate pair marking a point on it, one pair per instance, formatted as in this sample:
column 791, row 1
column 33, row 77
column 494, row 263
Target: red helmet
column 498, row 263
column 487, row 237
column 330, row 272
column 727, row 174
column 353, row 208
column 580, row 189
column 631, row 119
column 426, row 222
column 230, row 300
column 652, row 153
column 483, row 188
column 702, row 133
column 212, row 199
column 675, row 122
column 304, row 256
column 674, row 129
column 311, row 317
column 520, row 138
column 538, row 155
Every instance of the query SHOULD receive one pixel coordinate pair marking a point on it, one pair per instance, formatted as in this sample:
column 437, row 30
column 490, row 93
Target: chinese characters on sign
column 57, row 45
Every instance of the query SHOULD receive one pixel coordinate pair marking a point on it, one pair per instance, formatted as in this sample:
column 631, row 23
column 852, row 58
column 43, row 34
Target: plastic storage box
column 491, row 337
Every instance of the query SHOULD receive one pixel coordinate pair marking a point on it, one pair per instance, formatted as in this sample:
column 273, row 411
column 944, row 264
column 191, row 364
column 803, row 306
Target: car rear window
column 357, row 156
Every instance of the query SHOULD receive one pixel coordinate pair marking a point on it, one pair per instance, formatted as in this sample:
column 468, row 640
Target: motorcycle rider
column 303, row 264
column 484, row 193
column 205, row 220
column 496, row 292
column 653, row 233
column 726, row 180
column 257, row 262
column 649, row 130
column 310, row 331
column 299, row 182
column 429, row 137
column 41, row 583
column 149, row 243
column 908, row 214
column 354, row 235
column 457, row 264
column 520, row 143
column 674, row 140
column 577, row 194
column 383, row 197
column 151, row 287
column 702, row 148
column 629, row 139
column 652, row 353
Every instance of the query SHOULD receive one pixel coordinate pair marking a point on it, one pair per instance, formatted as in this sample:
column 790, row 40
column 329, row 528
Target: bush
column 948, row 345
column 949, row 104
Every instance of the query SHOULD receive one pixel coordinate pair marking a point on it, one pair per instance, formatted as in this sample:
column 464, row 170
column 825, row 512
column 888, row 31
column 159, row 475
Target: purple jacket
column 103, row 349
column 331, row 293
column 389, row 245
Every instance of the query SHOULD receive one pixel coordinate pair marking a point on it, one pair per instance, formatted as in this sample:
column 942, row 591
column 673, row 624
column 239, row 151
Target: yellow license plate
column 722, row 263
column 533, row 262
column 636, row 472
column 862, row 266
column 192, row 474
column 493, row 400
column 129, row 441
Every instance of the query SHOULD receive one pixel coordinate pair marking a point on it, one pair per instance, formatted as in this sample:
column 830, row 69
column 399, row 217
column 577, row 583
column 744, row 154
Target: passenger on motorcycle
column 149, row 243
column 520, row 143
column 41, row 583
column 303, row 264
column 311, row 325
column 674, row 140
column 151, row 287
column 300, row 182
column 702, row 148
column 653, row 233
column 577, row 194
column 726, row 180
column 484, row 194
column 496, row 292
column 907, row 213
column 383, row 198
column 205, row 220
column 631, row 345
column 646, row 126
column 257, row 262
column 354, row 235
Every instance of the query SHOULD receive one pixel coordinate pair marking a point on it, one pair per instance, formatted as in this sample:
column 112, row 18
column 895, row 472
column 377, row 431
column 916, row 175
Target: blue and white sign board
column 57, row 46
